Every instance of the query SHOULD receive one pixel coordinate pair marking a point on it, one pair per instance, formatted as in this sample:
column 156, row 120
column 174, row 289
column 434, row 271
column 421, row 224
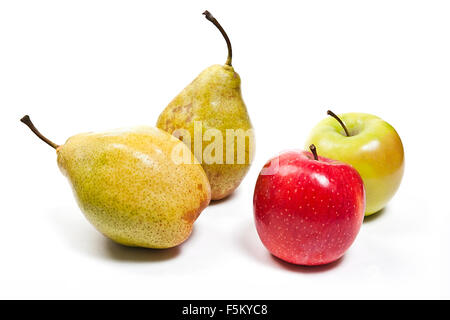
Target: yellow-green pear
column 132, row 186
column 210, row 116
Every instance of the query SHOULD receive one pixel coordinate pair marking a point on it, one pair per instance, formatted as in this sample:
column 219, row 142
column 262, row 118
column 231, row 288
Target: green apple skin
column 373, row 148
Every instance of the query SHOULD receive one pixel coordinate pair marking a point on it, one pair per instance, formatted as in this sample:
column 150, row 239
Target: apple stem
column 210, row 17
column 331, row 113
column 26, row 119
column 314, row 151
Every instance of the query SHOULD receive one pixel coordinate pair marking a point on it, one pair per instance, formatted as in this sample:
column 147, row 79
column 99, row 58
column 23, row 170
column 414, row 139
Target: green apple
column 370, row 145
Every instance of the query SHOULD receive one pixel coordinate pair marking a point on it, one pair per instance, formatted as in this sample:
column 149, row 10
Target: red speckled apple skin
column 308, row 212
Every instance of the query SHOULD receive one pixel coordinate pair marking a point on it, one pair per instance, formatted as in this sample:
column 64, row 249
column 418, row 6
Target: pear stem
column 26, row 119
column 210, row 17
column 331, row 113
column 314, row 151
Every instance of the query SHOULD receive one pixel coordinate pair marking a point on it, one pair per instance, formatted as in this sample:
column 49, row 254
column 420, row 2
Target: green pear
column 131, row 187
column 211, row 108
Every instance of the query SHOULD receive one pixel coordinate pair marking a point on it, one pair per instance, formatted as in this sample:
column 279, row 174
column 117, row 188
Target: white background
column 78, row 66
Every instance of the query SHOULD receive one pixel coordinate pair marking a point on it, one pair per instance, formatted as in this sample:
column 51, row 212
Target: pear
column 129, row 186
column 212, row 108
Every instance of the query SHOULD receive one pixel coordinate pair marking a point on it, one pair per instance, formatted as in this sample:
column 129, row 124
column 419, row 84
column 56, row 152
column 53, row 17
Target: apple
column 370, row 145
column 308, row 209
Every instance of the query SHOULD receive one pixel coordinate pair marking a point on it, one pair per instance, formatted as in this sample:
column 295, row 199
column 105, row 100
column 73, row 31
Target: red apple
column 308, row 209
